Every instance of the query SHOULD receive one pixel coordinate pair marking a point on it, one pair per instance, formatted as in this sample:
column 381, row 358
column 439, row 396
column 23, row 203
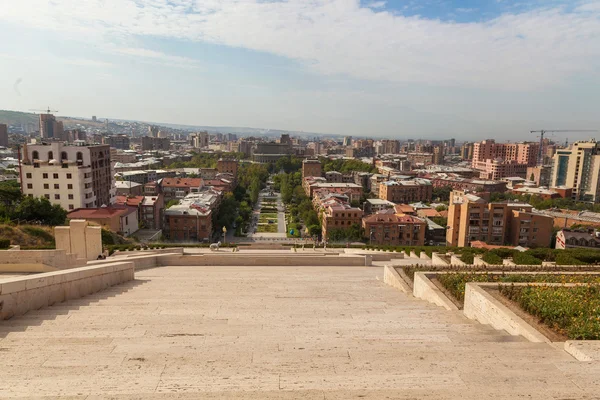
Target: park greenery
column 455, row 283
column 15, row 207
column 205, row 160
column 346, row 166
column 572, row 311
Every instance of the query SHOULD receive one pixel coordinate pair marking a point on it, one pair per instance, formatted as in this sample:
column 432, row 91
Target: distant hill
column 17, row 118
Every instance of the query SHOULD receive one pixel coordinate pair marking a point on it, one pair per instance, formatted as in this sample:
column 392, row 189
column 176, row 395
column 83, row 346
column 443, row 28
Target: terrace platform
column 271, row 333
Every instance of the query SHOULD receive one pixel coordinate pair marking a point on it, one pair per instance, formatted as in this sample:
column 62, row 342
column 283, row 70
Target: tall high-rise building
column 121, row 142
column 72, row 176
column 153, row 131
column 438, row 155
column 3, row 135
column 347, row 141
column 579, row 168
column 466, row 151
column 199, row 140
column 388, row 146
column 48, row 126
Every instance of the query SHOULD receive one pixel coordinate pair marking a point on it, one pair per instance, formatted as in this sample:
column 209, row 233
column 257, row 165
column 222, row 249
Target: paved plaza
column 271, row 333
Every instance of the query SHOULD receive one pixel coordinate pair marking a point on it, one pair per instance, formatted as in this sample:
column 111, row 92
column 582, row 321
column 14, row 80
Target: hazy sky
column 403, row 68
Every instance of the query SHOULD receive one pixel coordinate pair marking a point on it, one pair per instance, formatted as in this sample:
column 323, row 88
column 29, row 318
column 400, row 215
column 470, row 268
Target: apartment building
column 388, row 146
column 225, row 165
column 459, row 183
column 150, row 143
column 191, row 219
column 73, row 176
column 391, row 229
column 472, row 218
column 497, row 169
column 311, row 168
column 150, row 209
column 520, row 153
column 406, row 191
column 310, row 184
column 199, row 140
column 340, row 216
column 120, row 142
column 579, row 168
column 178, row 188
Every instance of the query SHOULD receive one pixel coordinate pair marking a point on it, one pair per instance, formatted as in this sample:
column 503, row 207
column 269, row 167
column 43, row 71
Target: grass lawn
column 267, row 228
column 265, row 220
column 268, row 215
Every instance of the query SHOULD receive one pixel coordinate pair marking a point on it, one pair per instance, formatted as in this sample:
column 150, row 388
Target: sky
column 399, row 68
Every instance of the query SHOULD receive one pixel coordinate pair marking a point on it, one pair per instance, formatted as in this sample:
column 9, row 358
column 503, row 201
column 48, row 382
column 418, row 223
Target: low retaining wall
column 424, row 289
column 437, row 259
column 37, row 260
column 424, row 256
column 455, row 260
column 392, row 278
column 32, row 292
column 234, row 259
column 483, row 307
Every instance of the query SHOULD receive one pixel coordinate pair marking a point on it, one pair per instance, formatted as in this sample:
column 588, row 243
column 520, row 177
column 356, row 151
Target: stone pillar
column 78, row 246
column 62, row 238
column 93, row 242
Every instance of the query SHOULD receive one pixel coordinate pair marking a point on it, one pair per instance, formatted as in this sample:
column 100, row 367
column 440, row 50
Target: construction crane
column 542, row 132
column 48, row 111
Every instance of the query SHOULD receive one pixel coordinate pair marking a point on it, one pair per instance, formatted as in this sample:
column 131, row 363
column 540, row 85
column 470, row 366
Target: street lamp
column 224, row 233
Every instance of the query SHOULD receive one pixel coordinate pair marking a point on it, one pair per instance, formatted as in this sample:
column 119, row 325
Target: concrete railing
column 32, row 292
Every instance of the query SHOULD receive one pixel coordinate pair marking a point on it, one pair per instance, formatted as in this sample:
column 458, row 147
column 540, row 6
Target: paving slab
column 274, row 333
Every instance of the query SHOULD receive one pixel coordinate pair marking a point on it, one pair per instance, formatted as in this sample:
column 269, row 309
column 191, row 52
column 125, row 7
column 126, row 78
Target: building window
column 69, row 176
column 63, row 156
column 56, row 186
column 50, row 156
column 45, row 176
column 70, row 197
column 55, row 176
column 28, row 175
column 46, row 186
column 35, row 155
column 71, row 206
column 47, row 196
column 29, row 186
column 69, row 186
column 57, row 197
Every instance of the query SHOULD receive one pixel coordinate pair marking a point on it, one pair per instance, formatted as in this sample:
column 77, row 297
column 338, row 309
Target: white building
column 73, row 176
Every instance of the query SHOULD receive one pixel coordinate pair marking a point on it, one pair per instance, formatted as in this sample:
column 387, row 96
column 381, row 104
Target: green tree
column 442, row 193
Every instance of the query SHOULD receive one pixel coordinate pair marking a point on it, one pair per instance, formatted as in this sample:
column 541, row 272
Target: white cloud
column 522, row 51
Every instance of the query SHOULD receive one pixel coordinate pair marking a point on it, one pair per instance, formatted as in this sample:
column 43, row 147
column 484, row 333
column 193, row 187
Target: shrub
column 567, row 259
column 4, row 243
column 467, row 257
column 526, row 259
column 504, row 253
column 543, row 254
column 492, row 258
column 572, row 311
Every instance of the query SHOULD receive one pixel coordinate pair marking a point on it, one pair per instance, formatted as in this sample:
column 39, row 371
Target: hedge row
column 4, row 243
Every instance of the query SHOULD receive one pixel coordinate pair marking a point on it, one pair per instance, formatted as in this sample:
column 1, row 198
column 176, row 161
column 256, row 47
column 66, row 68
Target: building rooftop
column 100, row 212
column 182, row 182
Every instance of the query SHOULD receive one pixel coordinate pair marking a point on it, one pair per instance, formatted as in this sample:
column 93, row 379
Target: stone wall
column 234, row 259
column 483, row 307
column 32, row 292
column 37, row 260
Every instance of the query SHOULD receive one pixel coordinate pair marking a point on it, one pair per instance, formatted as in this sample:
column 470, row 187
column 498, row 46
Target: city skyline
column 397, row 69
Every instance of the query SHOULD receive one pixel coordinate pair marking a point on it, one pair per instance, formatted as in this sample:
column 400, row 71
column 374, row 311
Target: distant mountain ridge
column 18, row 118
